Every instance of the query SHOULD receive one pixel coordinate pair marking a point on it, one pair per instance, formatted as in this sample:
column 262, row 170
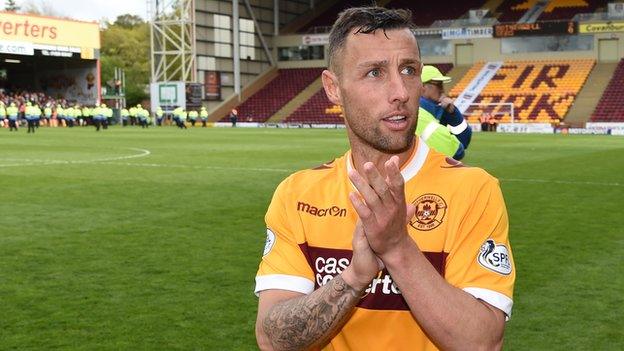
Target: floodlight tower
column 172, row 33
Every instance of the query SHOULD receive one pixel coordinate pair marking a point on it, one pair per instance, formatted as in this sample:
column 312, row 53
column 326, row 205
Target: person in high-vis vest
column 146, row 117
column 31, row 117
column 139, row 114
column 78, row 115
column 125, row 114
column 437, row 136
column 3, row 115
column 108, row 116
column 203, row 115
column 183, row 116
column 441, row 106
column 142, row 115
column 178, row 115
column 86, row 115
column 133, row 115
column 47, row 114
column 37, row 113
column 159, row 116
column 192, row 115
column 98, row 116
column 61, row 115
column 12, row 114
column 70, row 116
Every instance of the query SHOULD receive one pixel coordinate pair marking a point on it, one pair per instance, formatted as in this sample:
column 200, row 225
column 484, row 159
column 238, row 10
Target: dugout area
column 71, row 78
column 62, row 62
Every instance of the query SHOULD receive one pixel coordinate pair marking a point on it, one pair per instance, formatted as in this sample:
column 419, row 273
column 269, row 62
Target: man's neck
column 361, row 154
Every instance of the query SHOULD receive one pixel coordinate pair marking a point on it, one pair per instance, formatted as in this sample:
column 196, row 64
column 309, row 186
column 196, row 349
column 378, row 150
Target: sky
column 93, row 10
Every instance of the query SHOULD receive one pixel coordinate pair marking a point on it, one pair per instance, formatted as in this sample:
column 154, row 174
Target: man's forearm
column 311, row 320
column 451, row 317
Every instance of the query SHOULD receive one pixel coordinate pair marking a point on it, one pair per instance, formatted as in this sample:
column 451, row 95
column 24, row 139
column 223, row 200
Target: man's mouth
column 396, row 122
column 395, row 119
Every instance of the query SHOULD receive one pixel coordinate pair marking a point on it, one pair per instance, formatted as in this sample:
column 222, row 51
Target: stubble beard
column 372, row 135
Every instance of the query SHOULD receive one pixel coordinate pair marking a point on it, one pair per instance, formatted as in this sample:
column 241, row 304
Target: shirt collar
column 410, row 168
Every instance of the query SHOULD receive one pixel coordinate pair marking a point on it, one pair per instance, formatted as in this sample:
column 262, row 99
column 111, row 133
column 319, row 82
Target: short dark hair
column 367, row 20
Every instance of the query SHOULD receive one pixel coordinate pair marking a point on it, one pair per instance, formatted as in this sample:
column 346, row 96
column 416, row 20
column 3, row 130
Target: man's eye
column 409, row 71
column 374, row 73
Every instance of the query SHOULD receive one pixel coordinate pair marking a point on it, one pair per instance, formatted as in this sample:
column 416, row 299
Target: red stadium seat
column 610, row 108
column 541, row 91
column 277, row 93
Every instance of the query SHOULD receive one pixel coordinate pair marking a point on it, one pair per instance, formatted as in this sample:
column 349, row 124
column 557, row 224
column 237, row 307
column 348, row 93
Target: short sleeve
column 480, row 260
column 283, row 265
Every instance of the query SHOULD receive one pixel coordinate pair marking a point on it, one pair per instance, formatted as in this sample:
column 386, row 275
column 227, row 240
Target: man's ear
column 330, row 84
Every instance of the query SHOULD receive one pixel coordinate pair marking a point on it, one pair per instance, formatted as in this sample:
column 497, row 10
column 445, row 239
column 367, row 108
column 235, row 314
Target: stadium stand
column 541, row 91
column 610, row 108
column 328, row 17
column 277, row 93
column 511, row 11
column 424, row 16
column 567, row 9
column 319, row 110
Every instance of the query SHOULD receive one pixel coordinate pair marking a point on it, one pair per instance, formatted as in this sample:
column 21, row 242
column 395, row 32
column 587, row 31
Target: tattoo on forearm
column 313, row 319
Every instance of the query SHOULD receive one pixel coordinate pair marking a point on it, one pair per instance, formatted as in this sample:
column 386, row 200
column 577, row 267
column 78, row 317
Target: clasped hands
column 381, row 230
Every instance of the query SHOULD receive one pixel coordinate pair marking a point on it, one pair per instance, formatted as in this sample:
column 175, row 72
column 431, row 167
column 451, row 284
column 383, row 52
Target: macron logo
column 333, row 211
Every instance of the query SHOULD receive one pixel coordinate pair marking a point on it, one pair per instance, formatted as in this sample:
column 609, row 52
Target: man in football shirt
column 392, row 246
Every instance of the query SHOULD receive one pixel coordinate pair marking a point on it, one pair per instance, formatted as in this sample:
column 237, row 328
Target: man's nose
column 398, row 89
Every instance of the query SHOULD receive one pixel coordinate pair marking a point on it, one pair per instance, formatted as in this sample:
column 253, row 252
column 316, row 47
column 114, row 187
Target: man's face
column 378, row 88
column 433, row 90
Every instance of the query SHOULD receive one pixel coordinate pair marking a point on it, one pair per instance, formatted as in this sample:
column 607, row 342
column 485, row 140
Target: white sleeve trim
column 492, row 297
column 459, row 128
column 283, row 282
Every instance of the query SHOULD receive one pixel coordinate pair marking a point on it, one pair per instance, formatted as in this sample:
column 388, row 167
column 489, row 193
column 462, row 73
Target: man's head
column 364, row 20
column 374, row 75
column 433, row 82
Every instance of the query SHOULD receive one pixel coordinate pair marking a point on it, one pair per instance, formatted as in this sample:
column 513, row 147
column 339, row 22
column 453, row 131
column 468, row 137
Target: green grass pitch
column 133, row 239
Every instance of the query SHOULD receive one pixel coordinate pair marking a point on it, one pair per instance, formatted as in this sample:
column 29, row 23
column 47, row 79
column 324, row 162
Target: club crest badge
column 430, row 212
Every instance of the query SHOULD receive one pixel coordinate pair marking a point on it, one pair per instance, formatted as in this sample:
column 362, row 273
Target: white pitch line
column 39, row 163
column 161, row 165
column 143, row 153
column 46, row 162
column 529, row 180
